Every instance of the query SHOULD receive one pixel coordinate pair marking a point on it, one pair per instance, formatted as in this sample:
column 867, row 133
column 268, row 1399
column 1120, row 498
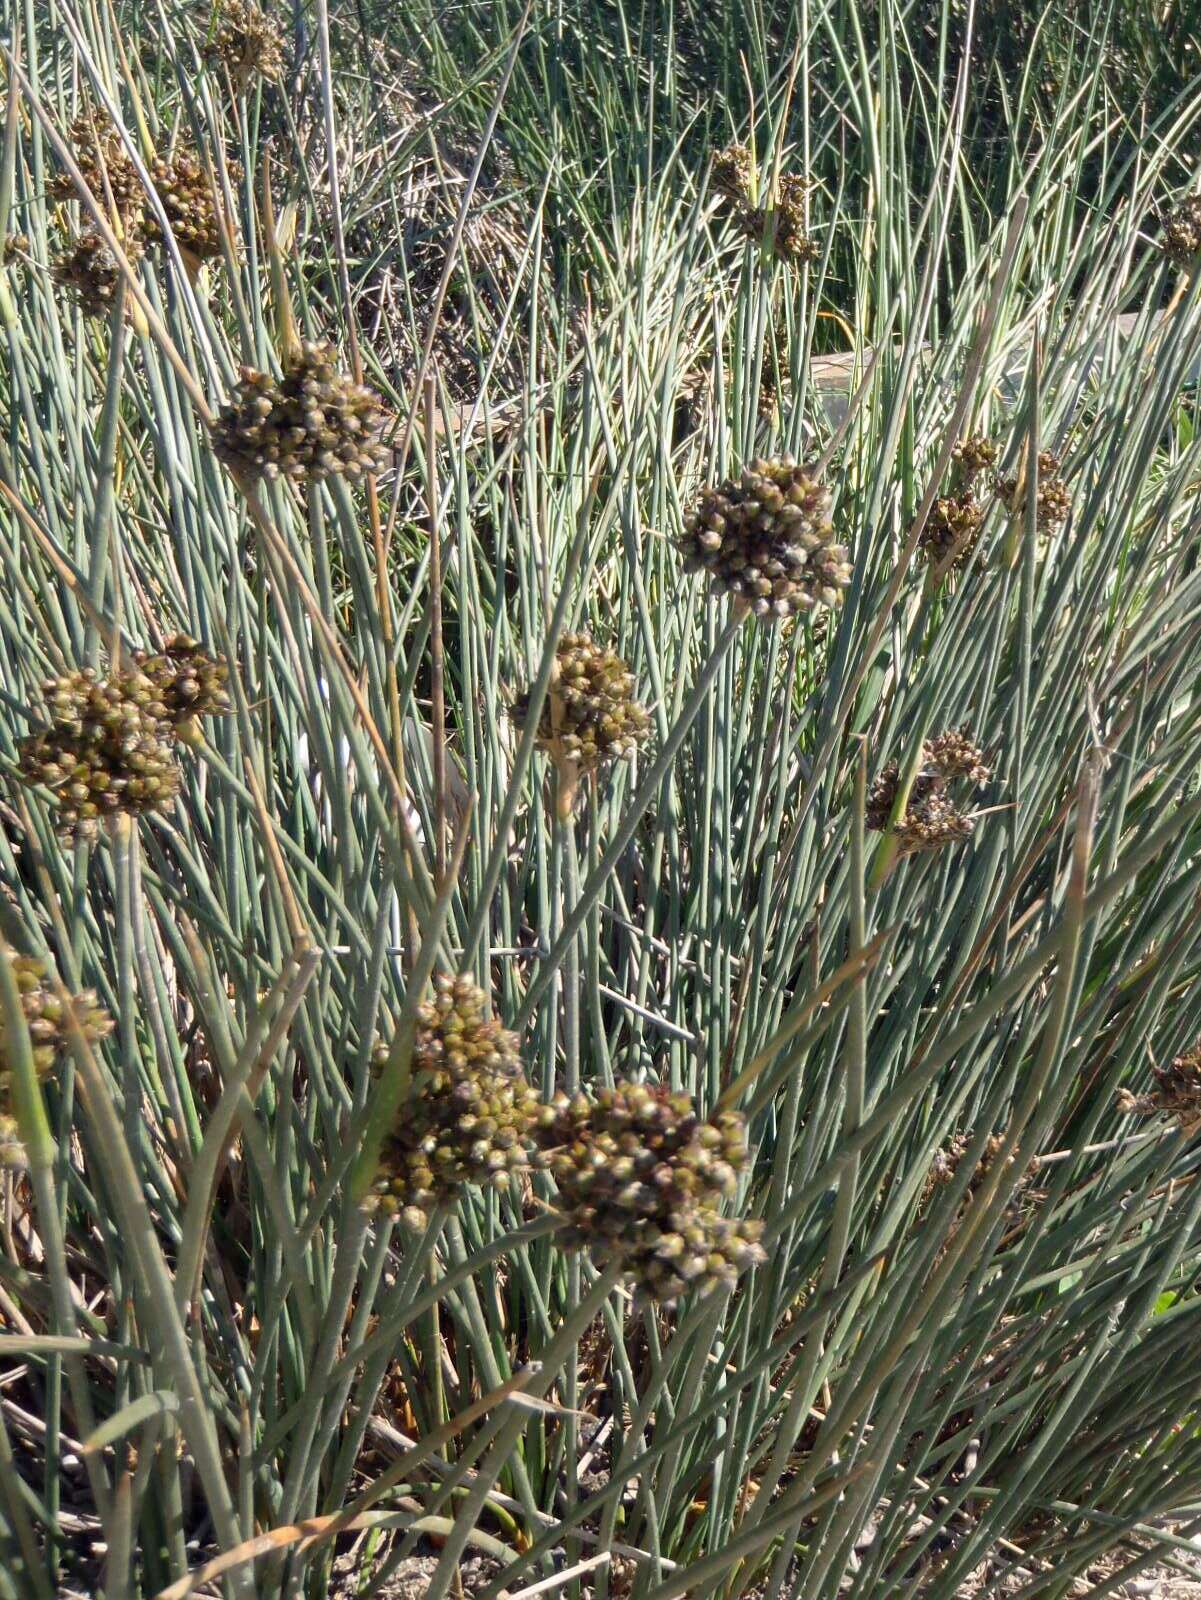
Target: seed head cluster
column 46, row 1018
column 312, row 423
column 766, row 537
column 590, row 716
column 186, row 192
column 733, row 173
column 781, row 224
column 105, row 166
column 110, row 746
column 470, row 1113
column 948, row 1160
column 107, row 751
column 1053, row 502
column 189, row 683
column 641, row 1178
column 973, row 454
column 953, row 525
column 931, row 817
column 246, row 41
column 1177, row 1091
column 13, row 245
column 1181, row 239
column 88, row 271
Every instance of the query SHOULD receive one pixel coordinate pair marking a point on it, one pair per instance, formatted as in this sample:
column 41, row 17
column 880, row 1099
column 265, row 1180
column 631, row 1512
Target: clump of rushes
column 1052, row 499
column 1181, row 240
column 1177, row 1091
column 931, row 817
column 88, row 271
column 246, row 41
column 590, row 716
column 766, row 538
column 106, row 168
column 641, row 1177
column 46, row 1018
column 470, row 1112
column 189, row 683
column 186, row 192
column 107, row 751
column 312, row 423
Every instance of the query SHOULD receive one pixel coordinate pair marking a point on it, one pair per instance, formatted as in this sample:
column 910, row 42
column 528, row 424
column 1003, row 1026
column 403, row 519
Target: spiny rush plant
column 599, row 951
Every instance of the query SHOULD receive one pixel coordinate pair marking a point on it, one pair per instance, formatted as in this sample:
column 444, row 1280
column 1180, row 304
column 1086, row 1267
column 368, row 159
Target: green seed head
column 590, row 716
column 470, row 1112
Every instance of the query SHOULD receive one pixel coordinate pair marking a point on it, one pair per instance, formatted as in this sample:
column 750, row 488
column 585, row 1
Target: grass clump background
column 599, row 944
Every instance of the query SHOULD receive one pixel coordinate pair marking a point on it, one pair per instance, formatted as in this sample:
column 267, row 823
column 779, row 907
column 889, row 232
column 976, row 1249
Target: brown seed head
column 107, row 751
column 973, row 454
column 954, row 523
column 1052, row 501
column 310, row 424
column 245, row 40
column 766, row 537
column 931, row 818
column 89, row 272
column 1181, row 239
column 105, row 167
column 47, row 1020
column 188, row 681
column 188, row 198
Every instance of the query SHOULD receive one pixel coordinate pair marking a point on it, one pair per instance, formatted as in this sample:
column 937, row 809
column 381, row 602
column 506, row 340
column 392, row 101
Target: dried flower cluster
column 1052, row 500
column 470, row 1113
column 105, row 166
column 110, row 746
column 590, row 715
column 188, row 198
column 13, row 245
column 88, row 270
column 780, row 224
column 1177, row 1091
column 46, row 1018
column 641, row 1177
column 931, row 816
column 189, row 683
column 312, row 423
column 766, row 537
column 1181, row 240
column 955, row 519
column 246, row 41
